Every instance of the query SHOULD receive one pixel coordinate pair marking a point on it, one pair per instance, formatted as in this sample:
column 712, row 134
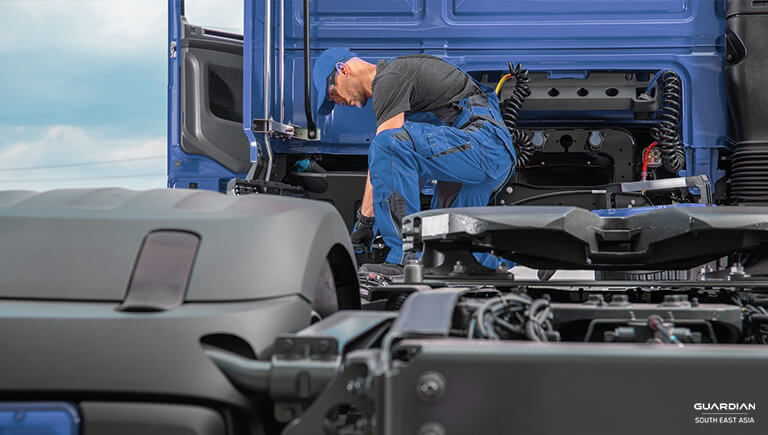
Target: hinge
column 286, row 131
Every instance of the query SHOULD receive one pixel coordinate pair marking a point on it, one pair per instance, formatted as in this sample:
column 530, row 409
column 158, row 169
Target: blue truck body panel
column 54, row 418
column 565, row 38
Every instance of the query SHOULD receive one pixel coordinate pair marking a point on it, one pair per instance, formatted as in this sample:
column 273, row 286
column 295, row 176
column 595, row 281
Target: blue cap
column 325, row 64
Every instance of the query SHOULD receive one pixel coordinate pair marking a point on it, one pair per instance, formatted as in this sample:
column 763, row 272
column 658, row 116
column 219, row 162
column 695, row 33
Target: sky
column 83, row 90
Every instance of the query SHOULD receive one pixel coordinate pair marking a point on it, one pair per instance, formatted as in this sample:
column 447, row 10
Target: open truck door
column 206, row 143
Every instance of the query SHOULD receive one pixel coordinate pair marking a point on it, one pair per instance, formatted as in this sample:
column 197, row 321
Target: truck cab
column 614, row 93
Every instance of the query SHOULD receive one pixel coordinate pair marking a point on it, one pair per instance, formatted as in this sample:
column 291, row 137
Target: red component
column 646, row 154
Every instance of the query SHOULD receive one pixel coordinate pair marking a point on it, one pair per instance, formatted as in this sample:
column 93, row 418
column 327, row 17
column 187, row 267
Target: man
column 434, row 122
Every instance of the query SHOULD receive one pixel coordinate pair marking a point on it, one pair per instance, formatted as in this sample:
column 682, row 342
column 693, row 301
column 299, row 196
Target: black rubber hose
column 510, row 111
column 667, row 131
column 533, row 327
column 307, row 78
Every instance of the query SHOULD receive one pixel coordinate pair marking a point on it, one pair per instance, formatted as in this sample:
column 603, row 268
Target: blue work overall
column 470, row 158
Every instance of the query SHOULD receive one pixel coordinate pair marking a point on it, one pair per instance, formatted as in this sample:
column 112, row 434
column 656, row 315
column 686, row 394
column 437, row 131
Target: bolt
column 502, row 202
column 357, row 386
column 628, row 76
column 431, row 386
column 458, row 267
column 509, row 189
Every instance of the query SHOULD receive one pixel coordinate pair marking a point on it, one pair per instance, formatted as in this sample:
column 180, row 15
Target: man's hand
column 362, row 233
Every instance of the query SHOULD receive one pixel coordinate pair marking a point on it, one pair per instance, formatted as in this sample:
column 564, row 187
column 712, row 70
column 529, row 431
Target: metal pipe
column 247, row 375
column 307, row 86
column 282, row 61
column 267, row 78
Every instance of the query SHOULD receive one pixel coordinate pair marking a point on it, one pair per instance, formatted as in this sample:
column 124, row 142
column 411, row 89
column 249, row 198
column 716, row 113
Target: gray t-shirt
column 419, row 83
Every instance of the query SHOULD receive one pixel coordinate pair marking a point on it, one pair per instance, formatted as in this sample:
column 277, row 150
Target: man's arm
column 396, row 121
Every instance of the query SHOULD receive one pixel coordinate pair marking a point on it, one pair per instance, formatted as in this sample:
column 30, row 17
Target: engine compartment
column 630, row 316
column 656, row 313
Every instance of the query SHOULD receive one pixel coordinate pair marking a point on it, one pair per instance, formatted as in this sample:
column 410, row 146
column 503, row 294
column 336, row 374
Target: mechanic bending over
column 434, row 122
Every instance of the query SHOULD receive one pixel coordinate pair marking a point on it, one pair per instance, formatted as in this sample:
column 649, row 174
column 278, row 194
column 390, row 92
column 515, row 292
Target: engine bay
column 617, row 314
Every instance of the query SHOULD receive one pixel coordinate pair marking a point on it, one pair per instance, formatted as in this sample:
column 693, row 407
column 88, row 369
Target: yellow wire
column 501, row 82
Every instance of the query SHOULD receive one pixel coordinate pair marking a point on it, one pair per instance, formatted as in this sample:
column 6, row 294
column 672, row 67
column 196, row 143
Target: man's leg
column 395, row 180
column 398, row 157
column 454, row 195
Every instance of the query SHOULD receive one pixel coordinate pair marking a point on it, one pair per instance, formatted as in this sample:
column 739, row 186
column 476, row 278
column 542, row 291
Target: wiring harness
column 667, row 131
column 511, row 317
column 510, row 110
column 755, row 317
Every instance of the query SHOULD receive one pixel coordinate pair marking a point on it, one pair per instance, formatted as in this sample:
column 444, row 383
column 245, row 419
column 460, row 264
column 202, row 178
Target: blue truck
column 231, row 304
column 603, row 78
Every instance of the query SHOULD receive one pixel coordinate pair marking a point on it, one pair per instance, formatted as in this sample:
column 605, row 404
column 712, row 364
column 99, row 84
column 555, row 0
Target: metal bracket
column 700, row 182
column 357, row 387
column 239, row 187
column 286, row 131
column 734, row 273
column 302, row 366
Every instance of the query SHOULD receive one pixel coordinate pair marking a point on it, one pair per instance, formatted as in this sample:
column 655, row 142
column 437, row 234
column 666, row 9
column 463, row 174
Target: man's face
column 344, row 89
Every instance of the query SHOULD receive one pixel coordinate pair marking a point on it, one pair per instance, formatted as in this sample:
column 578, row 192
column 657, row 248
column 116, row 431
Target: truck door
column 206, row 143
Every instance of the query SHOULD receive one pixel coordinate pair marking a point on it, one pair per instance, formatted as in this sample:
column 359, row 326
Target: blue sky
column 84, row 82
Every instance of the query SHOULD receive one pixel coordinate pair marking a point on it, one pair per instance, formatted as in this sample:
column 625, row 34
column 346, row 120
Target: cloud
column 89, row 27
column 148, row 148
column 117, row 28
column 14, row 152
column 58, row 156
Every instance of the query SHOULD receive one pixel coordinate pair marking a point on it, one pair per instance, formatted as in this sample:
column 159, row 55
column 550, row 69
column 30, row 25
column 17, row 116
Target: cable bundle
column 513, row 316
column 667, row 132
column 753, row 308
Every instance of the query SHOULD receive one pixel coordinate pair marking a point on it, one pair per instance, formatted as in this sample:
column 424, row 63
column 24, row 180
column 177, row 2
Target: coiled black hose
column 510, row 110
column 667, row 131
